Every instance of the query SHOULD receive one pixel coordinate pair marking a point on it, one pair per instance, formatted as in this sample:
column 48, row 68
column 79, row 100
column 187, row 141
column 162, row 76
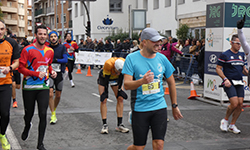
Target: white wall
column 161, row 19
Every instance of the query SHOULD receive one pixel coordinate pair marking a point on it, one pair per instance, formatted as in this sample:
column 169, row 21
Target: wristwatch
column 10, row 68
column 174, row 105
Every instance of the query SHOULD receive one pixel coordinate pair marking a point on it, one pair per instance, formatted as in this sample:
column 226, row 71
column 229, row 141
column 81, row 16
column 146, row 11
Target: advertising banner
column 92, row 58
column 214, row 39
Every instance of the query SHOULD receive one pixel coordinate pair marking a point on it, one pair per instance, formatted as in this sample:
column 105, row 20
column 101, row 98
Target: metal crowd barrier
column 186, row 66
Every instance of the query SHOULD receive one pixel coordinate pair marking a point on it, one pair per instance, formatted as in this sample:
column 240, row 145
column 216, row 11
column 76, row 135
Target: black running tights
column 42, row 98
column 70, row 66
column 5, row 101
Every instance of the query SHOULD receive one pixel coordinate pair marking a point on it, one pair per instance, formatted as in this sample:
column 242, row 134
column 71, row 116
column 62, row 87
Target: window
column 156, row 4
column 21, row 17
column 9, row 16
column 181, row 2
column 64, row 18
column 145, row 4
column 52, row 3
column 82, row 9
column 76, row 9
column 57, row 19
column 115, row 5
column 21, row 29
column 28, row 23
column 52, row 20
column 9, row 4
column 167, row 3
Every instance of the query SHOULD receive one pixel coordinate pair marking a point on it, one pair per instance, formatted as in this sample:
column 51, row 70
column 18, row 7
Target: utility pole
column 33, row 18
column 129, row 21
column 56, row 14
column 88, row 27
column 62, row 21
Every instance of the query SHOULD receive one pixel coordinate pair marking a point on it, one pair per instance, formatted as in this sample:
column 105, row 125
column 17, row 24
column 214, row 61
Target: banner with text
column 92, row 58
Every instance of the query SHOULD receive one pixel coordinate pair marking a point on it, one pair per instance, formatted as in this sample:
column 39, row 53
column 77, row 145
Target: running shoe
column 25, row 133
column 14, row 104
column 224, row 125
column 5, row 143
column 72, row 84
column 41, row 147
column 121, row 128
column 234, row 129
column 53, row 119
column 105, row 129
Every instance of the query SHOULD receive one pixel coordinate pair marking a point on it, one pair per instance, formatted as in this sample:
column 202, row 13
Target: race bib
column 1, row 74
column 151, row 88
column 113, row 83
column 56, row 67
column 237, row 82
column 70, row 51
column 42, row 68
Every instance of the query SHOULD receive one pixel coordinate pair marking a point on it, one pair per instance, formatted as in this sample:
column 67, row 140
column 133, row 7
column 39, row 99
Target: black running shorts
column 16, row 77
column 142, row 121
column 101, row 80
column 57, row 82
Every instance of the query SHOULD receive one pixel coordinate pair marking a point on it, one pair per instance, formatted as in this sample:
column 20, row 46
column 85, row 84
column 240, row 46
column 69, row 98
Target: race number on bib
column 151, row 88
column 237, row 82
column 1, row 74
column 113, row 83
column 56, row 67
column 70, row 51
column 42, row 68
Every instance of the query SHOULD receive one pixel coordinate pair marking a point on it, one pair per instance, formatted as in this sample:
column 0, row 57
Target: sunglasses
column 236, row 42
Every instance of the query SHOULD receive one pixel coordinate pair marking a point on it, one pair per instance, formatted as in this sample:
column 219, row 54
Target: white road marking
column 12, row 138
column 97, row 95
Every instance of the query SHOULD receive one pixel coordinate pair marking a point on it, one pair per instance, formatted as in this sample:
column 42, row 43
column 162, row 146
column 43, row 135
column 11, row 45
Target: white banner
column 92, row 58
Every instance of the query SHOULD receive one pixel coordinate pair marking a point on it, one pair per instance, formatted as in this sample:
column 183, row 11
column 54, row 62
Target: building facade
column 163, row 15
column 48, row 12
column 15, row 16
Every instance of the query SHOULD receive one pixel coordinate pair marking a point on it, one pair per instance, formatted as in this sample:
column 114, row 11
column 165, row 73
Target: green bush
column 182, row 32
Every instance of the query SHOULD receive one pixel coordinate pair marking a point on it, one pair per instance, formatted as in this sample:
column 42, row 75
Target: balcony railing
column 50, row 10
column 39, row 12
column 70, row 24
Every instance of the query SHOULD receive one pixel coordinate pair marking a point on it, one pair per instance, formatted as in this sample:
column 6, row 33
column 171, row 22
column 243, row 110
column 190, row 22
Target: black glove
column 240, row 23
column 104, row 96
column 122, row 94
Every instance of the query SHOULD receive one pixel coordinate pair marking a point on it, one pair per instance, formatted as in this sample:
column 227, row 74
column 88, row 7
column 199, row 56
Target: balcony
column 50, row 11
column 21, row 23
column 21, row 11
column 8, row 9
column 29, row 17
column 21, row 34
column 21, row 1
column 29, row 27
column 39, row 13
column 10, row 21
column 70, row 24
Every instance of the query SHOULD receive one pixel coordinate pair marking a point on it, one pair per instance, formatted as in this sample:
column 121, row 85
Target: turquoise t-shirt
column 148, row 97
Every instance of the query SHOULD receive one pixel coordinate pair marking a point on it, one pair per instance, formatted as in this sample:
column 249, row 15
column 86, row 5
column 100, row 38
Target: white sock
column 231, row 125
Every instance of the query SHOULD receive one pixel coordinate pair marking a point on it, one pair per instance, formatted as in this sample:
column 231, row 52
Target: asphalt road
column 79, row 122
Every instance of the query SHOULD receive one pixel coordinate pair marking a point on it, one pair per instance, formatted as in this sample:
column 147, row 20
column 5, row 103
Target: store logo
column 241, row 10
column 107, row 21
column 214, row 11
column 211, row 84
column 210, row 38
column 213, row 58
